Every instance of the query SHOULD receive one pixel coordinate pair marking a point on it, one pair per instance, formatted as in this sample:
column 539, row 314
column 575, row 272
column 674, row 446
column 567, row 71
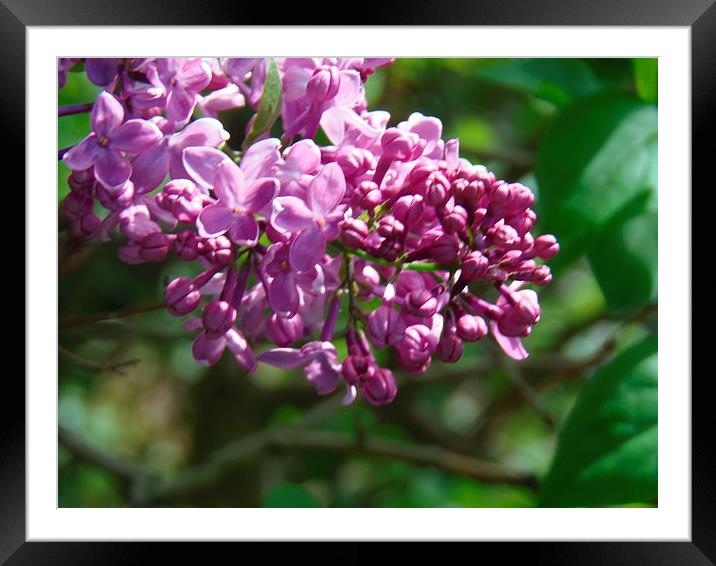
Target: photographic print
column 357, row 282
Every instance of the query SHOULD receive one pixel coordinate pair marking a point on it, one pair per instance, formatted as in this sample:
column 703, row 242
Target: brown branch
column 225, row 459
column 135, row 480
column 116, row 367
column 571, row 369
column 526, row 391
column 84, row 320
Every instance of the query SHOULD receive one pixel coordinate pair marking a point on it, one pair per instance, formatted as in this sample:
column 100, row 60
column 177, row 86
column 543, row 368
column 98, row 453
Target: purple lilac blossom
column 288, row 235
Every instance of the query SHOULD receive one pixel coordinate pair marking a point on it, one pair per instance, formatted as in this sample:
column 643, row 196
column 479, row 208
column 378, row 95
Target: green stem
column 413, row 265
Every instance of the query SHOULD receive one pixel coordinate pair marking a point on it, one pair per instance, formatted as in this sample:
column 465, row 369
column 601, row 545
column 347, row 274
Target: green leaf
column 269, row 107
column 555, row 80
column 646, row 74
column 624, row 262
column 598, row 158
column 607, row 449
column 290, row 495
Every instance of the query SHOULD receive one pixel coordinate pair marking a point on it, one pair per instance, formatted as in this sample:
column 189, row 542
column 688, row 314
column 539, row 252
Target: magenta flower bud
column 542, row 275
column 77, row 204
column 386, row 327
column 81, row 179
column 523, row 222
column 478, row 216
column 499, row 193
column 381, row 389
column 526, row 309
column 420, row 174
column 354, row 232
column 519, row 199
column 87, row 226
column 455, row 221
column 182, row 199
column 181, row 296
column 216, row 250
column 389, row 250
column 358, row 368
column 284, row 331
column 471, row 328
column 399, row 145
column 546, row 246
column 218, row 317
column 438, row 189
column 390, row 227
column 354, row 161
column 409, row 209
column 421, row 302
column 503, row 235
column 450, row 348
column 323, row 84
column 154, row 247
column 116, row 199
column 473, row 192
column 186, row 245
column 474, row 266
column 444, row 249
column 366, row 196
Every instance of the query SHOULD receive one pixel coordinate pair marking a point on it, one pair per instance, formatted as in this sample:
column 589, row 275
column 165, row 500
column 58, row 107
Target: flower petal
column 303, row 157
column 240, row 349
column 180, row 104
column 349, row 89
column 326, row 190
column 308, row 249
column 511, row 345
column 229, row 183
column 244, row 230
column 214, row 220
column 284, row 358
column 111, row 169
column 283, row 293
column 194, row 75
column 107, row 114
column 259, row 194
column 290, row 214
column 202, row 132
column 134, row 136
column 201, row 163
column 208, row 351
column 101, row 71
column 150, row 167
column 259, row 159
column 82, row 156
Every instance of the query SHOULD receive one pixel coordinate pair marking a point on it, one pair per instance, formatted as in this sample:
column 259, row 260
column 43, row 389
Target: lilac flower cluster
column 385, row 238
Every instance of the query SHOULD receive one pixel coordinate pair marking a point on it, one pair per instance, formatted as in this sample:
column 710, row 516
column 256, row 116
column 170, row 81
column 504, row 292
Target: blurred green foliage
column 579, row 414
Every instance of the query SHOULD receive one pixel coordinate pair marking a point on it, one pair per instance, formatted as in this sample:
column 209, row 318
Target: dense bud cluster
column 387, row 230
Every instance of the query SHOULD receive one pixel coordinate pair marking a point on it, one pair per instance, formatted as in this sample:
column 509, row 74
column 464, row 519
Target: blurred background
column 142, row 424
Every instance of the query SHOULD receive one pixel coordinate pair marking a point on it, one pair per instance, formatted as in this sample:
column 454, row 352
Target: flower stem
column 74, row 109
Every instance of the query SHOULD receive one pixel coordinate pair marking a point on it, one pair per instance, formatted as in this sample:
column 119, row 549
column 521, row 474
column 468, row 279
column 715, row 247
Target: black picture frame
column 699, row 15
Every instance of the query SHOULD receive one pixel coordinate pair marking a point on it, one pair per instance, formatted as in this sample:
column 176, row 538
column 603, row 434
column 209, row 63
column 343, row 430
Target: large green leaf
column 607, row 449
column 554, row 80
column 624, row 261
column 290, row 495
column 646, row 73
column 270, row 105
column 598, row 158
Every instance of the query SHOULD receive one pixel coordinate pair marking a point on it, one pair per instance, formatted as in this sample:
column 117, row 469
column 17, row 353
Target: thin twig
column 71, row 109
column 116, row 367
column 225, row 459
column 526, row 391
column 112, row 315
column 135, row 480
